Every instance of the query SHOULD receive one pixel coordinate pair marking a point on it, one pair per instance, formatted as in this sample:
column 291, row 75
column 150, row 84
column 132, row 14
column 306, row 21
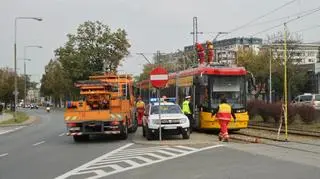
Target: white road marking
column 99, row 172
column 11, row 130
column 152, row 155
column 38, row 143
column 3, row 155
column 62, row 134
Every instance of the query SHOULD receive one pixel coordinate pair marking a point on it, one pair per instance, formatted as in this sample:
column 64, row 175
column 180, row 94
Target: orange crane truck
column 107, row 108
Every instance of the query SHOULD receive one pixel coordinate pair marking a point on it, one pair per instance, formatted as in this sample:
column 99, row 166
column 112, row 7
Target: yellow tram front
column 210, row 85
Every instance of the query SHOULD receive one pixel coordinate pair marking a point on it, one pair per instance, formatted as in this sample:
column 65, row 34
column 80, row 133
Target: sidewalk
column 5, row 117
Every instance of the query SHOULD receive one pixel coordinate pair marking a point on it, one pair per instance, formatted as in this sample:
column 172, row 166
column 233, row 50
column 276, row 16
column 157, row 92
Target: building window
column 310, row 60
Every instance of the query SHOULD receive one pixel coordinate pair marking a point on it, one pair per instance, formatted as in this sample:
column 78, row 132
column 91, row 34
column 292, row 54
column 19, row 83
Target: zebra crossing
column 124, row 159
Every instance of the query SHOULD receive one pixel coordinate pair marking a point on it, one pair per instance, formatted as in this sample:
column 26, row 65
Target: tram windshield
column 232, row 87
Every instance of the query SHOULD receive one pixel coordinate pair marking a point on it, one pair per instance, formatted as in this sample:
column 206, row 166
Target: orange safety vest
column 224, row 112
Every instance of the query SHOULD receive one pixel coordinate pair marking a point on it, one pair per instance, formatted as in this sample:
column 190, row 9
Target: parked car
column 173, row 121
column 308, row 99
column 34, row 106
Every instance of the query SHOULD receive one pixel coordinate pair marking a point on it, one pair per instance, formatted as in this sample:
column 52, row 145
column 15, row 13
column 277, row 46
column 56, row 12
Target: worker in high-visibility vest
column 187, row 110
column 140, row 107
column 223, row 114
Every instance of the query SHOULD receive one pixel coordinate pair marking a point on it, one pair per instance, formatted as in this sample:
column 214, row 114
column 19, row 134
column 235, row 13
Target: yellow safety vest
column 224, row 112
column 140, row 104
column 185, row 107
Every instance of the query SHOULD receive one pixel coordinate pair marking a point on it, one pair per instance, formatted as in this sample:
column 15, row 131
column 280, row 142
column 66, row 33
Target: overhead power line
column 310, row 12
column 260, row 17
column 301, row 30
column 280, row 18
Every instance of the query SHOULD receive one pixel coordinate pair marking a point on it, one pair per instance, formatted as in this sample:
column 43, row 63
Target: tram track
column 288, row 144
column 290, row 131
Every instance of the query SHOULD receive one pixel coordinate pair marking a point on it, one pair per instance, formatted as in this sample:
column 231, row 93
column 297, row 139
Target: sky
column 163, row 25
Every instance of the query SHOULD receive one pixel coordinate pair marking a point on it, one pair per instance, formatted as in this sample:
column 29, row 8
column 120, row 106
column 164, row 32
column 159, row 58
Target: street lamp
column 25, row 70
column 15, row 59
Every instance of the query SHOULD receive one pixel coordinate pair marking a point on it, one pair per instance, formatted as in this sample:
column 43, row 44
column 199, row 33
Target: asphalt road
column 41, row 151
column 223, row 163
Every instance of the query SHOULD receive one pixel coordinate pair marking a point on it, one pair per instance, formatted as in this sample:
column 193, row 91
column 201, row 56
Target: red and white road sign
column 159, row 77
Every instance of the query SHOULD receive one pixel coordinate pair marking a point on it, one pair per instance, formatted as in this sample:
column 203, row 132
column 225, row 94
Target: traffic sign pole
column 159, row 79
column 160, row 137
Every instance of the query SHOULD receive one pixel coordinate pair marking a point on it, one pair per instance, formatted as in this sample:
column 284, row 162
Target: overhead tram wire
column 301, row 30
column 281, row 18
column 260, row 17
column 289, row 21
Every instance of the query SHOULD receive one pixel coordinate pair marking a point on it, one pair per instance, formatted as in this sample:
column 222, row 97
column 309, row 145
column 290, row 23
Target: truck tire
column 134, row 126
column 124, row 132
column 81, row 138
column 186, row 134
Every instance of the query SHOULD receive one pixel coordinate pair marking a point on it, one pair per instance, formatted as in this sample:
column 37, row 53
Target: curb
column 250, row 140
column 31, row 120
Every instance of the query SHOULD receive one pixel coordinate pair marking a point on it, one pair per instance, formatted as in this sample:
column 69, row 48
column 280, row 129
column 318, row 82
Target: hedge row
column 274, row 111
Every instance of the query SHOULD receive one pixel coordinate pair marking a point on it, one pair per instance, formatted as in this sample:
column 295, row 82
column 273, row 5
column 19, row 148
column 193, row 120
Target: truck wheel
column 80, row 138
column 134, row 126
column 186, row 134
column 124, row 133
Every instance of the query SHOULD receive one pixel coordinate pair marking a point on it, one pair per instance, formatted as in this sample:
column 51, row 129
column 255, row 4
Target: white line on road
column 96, row 165
column 86, row 165
column 62, row 134
column 12, row 130
column 38, row 143
column 2, row 155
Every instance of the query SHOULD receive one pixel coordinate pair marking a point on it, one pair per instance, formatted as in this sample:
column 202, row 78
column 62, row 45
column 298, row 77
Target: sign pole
column 159, row 79
column 159, row 114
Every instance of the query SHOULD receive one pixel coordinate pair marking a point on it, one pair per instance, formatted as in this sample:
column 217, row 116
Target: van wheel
column 149, row 135
column 143, row 131
column 186, row 134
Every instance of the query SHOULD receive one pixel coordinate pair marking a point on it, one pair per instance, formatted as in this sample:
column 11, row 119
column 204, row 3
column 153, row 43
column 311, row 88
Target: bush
column 270, row 111
column 307, row 113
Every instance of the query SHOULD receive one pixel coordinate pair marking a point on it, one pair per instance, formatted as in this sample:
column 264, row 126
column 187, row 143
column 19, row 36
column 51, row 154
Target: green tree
column 258, row 65
column 296, row 74
column 7, row 85
column 93, row 48
column 55, row 82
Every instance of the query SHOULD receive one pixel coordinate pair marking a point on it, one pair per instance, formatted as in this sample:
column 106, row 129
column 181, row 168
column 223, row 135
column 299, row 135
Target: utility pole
column 270, row 76
column 195, row 31
column 285, row 83
column 158, row 57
